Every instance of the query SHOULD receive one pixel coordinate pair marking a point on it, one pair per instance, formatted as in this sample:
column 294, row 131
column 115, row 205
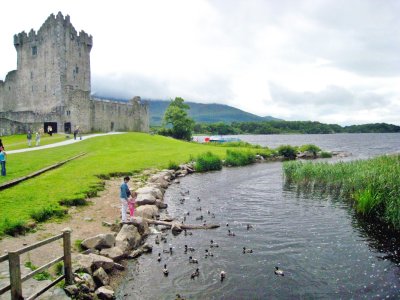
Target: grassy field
column 15, row 142
column 106, row 155
column 372, row 184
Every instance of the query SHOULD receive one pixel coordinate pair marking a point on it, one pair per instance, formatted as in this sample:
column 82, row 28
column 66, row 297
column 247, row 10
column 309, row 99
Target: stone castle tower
column 51, row 85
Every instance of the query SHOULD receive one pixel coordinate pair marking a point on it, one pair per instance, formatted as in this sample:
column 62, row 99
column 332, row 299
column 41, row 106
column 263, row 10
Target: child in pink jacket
column 131, row 203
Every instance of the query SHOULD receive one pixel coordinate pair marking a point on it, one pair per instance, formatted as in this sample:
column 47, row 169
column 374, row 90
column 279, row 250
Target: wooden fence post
column 67, row 256
column 15, row 275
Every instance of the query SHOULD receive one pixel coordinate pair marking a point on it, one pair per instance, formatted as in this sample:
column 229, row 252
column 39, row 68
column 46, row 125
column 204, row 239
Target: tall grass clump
column 237, row 158
column 46, row 213
column 287, row 151
column 208, row 162
column 372, row 184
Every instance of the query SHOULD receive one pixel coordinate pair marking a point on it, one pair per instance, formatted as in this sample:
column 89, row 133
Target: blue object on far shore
column 223, row 139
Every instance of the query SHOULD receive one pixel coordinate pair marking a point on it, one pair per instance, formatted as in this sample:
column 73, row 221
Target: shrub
column 326, row 154
column 78, row 245
column 47, row 213
column 14, row 227
column 287, row 151
column 310, row 148
column 173, row 165
column 208, row 162
column 73, row 202
column 239, row 158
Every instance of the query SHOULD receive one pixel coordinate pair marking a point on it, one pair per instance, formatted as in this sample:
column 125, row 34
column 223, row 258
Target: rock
column 89, row 262
column 88, row 219
column 115, row 253
column 160, row 204
column 89, row 282
column 57, row 294
column 100, row 277
column 141, row 225
column 106, row 224
column 119, row 267
column 105, row 293
column 143, row 249
column 160, row 181
column 145, row 199
column 307, row 155
column 151, row 190
column 147, row 211
column 177, row 181
column 128, row 238
column 147, row 248
column 99, row 241
column 101, row 261
column 71, row 290
column 176, row 227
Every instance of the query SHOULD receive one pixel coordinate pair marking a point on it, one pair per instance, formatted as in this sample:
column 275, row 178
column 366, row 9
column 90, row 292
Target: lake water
column 325, row 250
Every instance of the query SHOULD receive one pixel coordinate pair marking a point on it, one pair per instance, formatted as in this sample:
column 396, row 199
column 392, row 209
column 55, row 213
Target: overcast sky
column 331, row 61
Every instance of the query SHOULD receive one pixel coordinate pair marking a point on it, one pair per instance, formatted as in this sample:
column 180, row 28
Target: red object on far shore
column 207, row 139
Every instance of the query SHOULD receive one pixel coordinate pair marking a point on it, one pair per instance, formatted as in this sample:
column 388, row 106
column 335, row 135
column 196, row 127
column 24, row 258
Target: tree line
column 178, row 124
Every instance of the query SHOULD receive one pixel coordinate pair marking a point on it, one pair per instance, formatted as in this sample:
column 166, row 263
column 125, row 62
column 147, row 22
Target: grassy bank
column 372, row 184
column 111, row 155
column 15, row 142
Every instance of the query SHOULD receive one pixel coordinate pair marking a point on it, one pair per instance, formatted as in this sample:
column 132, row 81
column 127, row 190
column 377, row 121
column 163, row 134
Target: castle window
column 34, row 50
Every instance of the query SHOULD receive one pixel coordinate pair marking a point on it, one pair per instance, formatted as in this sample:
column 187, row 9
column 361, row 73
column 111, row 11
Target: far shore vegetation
column 372, row 185
column 289, row 127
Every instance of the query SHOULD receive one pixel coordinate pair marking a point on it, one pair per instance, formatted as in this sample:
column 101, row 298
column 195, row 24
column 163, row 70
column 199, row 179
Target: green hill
column 205, row 113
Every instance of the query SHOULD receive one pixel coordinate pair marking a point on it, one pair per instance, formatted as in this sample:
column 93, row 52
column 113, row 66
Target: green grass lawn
column 111, row 154
column 15, row 142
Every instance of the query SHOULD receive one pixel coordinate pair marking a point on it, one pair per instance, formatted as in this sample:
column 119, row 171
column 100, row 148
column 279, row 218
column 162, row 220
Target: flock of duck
column 207, row 252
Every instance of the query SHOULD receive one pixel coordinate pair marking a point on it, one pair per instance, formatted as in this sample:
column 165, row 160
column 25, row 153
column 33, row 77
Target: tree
column 176, row 116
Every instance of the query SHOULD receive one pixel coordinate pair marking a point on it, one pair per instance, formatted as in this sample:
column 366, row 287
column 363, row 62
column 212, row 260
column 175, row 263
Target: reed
column 208, row 162
column 237, row 158
column 372, row 184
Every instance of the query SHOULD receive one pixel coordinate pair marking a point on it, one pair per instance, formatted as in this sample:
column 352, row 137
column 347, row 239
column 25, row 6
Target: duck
column 208, row 253
column 193, row 260
column 187, row 233
column 213, row 244
column 159, row 257
column 179, row 297
column 249, row 226
column 157, row 240
column 222, row 275
column 191, row 249
column 208, row 212
column 247, row 250
column 198, row 199
column 227, row 224
column 199, row 218
column 184, row 218
column 231, row 233
column 195, row 274
column 198, row 208
column 165, row 270
column 279, row 272
column 213, row 215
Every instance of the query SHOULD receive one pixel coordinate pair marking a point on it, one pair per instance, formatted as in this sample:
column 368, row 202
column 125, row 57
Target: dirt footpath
column 84, row 221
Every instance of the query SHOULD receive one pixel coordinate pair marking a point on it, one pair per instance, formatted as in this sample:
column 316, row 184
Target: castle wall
column 52, row 84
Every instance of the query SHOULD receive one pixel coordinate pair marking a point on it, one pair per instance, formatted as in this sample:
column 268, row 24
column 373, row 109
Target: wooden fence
column 13, row 258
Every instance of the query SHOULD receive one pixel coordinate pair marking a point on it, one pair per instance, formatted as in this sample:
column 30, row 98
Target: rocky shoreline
column 106, row 253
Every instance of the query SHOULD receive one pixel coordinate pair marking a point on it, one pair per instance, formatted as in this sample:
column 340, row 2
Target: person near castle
column 131, row 204
column 50, row 130
column 2, row 161
column 37, row 138
column 76, row 132
column 1, row 145
column 124, row 196
column 29, row 137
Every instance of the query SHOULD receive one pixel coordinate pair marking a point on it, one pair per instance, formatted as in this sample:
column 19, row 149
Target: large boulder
column 143, row 199
column 128, row 238
column 141, row 225
column 99, row 241
column 115, row 253
column 147, row 211
column 89, row 281
column 90, row 262
column 160, row 204
column 152, row 190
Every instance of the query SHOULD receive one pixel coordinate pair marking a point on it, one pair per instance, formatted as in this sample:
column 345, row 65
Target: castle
column 51, row 86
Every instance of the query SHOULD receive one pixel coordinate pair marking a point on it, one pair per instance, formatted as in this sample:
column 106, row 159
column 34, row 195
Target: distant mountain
column 201, row 113
column 205, row 113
